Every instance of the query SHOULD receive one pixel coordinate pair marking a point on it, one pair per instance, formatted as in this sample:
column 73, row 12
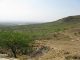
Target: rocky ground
column 65, row 47
column 4, row 57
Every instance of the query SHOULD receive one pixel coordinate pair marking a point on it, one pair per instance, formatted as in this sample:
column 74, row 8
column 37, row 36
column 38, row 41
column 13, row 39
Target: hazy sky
column 37, row 10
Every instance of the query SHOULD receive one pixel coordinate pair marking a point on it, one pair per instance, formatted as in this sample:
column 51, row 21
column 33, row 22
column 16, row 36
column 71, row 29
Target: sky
column 37, row 10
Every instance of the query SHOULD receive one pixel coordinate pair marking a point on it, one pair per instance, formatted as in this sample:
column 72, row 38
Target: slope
column 46, row 30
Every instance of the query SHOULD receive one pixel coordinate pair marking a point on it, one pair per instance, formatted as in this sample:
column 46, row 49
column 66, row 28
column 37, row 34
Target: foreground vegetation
column 18, row 43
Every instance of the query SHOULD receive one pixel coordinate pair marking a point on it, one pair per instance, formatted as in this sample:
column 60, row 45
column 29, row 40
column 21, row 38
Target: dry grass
column 62, row 49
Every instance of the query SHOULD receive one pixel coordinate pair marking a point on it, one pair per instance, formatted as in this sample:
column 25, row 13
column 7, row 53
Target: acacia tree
column 15, row 41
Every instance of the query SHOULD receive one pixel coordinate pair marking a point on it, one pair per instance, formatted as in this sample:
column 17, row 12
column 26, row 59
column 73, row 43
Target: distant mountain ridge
column 55, row 26
column 71, row 19
column 65, row 19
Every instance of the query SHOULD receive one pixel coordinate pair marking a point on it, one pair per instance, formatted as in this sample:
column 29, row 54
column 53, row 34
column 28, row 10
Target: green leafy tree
column 15, row 41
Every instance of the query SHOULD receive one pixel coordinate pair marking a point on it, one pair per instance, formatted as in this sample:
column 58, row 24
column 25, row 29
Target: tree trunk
column 14, row 52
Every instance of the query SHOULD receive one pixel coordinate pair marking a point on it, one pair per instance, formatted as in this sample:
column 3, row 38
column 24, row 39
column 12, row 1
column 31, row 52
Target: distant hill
column 71, row 19
column 46, row 29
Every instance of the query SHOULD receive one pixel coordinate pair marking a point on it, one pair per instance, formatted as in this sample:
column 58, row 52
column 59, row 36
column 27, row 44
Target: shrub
column 15, row 41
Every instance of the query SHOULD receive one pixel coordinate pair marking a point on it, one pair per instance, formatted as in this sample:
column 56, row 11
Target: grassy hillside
column 46, row 30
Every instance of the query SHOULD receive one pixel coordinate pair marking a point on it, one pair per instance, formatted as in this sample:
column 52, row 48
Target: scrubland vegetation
column 42, row 38
column 18, row 43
